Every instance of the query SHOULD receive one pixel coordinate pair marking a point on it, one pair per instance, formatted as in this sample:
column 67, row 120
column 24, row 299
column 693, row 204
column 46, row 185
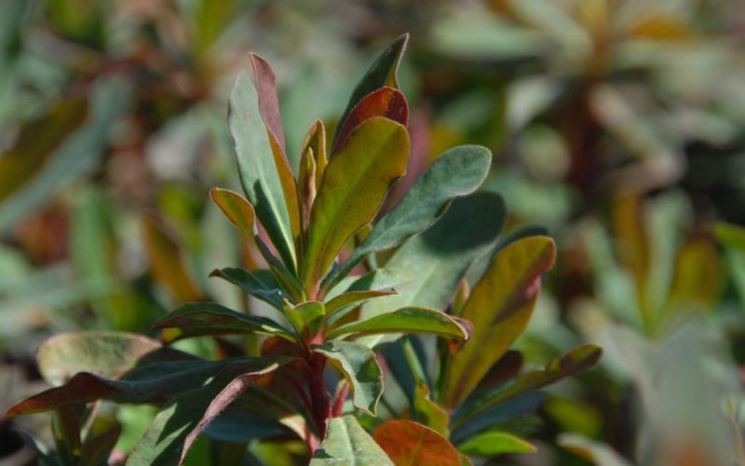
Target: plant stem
column 318, row 394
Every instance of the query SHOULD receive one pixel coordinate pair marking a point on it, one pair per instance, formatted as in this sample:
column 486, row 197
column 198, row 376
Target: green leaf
column 358, row 365
column 381, row 73
column 455, row 173
column 97, row 448
column 348, row 444
column 430, row 413
column 499, row 308
column 260, row 284
column 163, row 441
column 408, row 443
column 348, row 298
column 306, row 318
column 197, row 319
column 577, row 360
column 439, row 257
column 590, row 450
column 66, row 433
column 108, row 354
column 495, row 443
column 353, row 188
column 239, row 211
column 405, row 320
column 258, row 171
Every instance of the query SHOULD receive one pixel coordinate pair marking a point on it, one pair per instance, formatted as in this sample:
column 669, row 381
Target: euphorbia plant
column 337, row 297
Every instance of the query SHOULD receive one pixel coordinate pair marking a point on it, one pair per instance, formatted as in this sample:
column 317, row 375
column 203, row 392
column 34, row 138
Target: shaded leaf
column 405, row 320
column 408, row 443
column 354, row 186
column 222, row 401
column 167, row 264
column 381, row 73
column 499, row 308
column 495, row 443
column 523, row 407
column 260, row 284
column 197, row 319
column 598, row 453
column 238, row 210
column 360, row 368
column 440, row 256
column 699, row 276
column 348, row 444
column 430, row 413
column 577, row 360
column 98, row 448
column 385, row 102
column 455, row 173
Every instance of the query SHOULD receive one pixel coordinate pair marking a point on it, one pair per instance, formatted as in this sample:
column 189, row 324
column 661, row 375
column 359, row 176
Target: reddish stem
column 318, row 394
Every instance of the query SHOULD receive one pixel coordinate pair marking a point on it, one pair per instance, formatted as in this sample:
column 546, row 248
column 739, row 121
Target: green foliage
column 314, row 232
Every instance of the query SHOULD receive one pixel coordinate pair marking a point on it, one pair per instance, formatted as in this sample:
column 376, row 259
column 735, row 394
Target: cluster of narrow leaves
column 344, row 279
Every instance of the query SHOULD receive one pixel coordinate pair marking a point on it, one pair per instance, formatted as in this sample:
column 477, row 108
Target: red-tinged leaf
column 167, row 264
column 236, row 208
column 82, row 388
column 386, row 102
column 354, row 186
column 408, row 443
column 97, row 449
column 499, row 307
column 289, row 186
column 306, row 187
column 354, row 297
column 266, row 88
column 222, row 401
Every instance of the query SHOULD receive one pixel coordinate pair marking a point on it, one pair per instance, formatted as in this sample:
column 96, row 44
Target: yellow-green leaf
column 238, row 210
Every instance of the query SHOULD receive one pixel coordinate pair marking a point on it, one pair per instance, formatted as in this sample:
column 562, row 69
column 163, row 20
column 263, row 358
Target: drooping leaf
column 306, row 317
column 405, row 320
column 198, row 319
column 353, row 188
column 260, row 284
column 108, row 354
column 239, row 211
column 348, row 444
column 455, row 173
column 408, row 443
column 148, row 382
column 167, row 263
column 360, row 368
column 164, row 439
column 381, row 73
column 495, row 443
column 259, row 173
column 440, row 256
column 222, row 401
column 499, row 307
column 385, row 102
column 573, row 362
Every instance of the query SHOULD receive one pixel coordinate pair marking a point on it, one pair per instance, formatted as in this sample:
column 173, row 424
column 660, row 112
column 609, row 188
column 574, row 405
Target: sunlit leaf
column 199, row 319
column 360, row 368
column 354, row 186
column 315, row 140
column 348, row 444
column 108, row 354
column 430, row 413
column 405, row 320
column 457, row 172
column 354, row 297
column 499, row 307
column 495, row 443
column 408, row 443
column 238, row 210
column 306, row 317
column 385, row 102
column 259, row 173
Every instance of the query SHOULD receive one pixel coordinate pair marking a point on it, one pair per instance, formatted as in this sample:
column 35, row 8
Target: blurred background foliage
column 618, row 125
